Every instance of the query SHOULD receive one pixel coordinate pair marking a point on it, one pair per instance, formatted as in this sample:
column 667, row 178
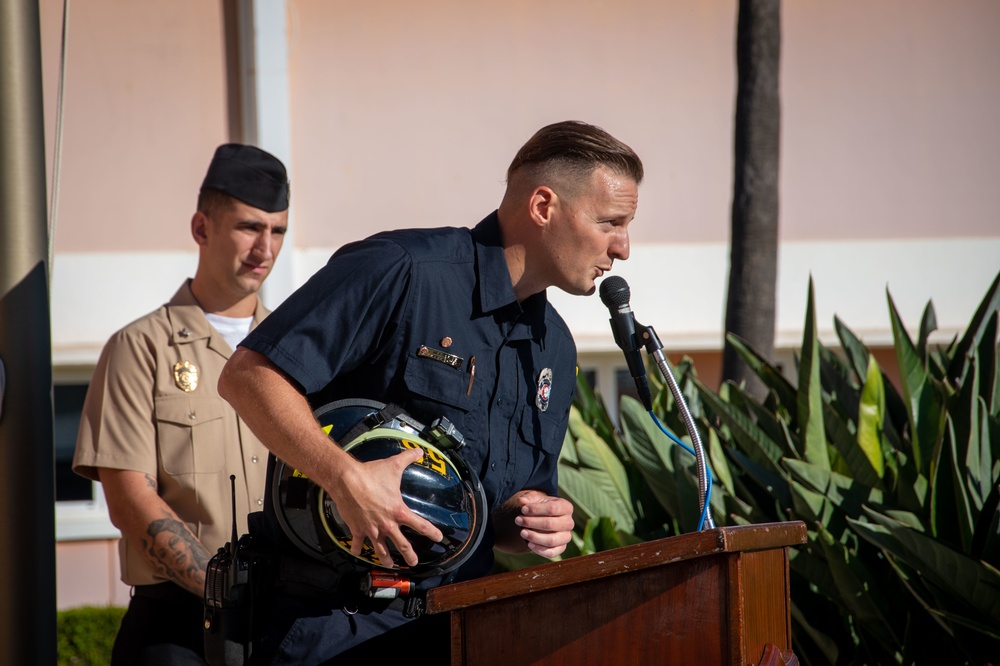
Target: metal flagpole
column 27, row 487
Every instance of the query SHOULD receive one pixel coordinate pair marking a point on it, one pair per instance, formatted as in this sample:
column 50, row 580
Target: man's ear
column 199, row 228
column 542, row 204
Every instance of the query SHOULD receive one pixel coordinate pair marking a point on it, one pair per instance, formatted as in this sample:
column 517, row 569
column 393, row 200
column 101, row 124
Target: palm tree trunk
column 750, row 305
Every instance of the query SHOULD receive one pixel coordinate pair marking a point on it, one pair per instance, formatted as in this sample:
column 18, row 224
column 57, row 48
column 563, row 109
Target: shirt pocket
column 546, row 430
column 191, row 435
column 433, row 382
column 542, row 430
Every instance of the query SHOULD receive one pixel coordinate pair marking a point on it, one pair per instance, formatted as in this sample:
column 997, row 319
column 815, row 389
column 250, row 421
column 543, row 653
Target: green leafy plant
column 85, row 635
column 898, row 488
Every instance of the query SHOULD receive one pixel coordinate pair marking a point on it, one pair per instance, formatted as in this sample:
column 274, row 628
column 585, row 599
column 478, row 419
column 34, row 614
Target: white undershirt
column 233, row 329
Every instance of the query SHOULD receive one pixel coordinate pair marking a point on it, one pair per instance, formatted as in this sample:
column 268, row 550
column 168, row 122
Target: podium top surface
column 741, row 538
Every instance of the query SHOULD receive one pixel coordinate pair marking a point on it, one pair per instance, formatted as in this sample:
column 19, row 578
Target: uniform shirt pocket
column 191, row 434
column 438, row 382
column 544, row 430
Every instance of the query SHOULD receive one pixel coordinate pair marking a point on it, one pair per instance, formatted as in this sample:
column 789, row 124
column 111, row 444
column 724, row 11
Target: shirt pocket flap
column 545, row 430
column 436, row 381
column 191, row 434
column 183, row 411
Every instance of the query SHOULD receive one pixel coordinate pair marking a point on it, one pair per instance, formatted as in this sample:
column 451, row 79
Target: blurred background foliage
column 86, row 634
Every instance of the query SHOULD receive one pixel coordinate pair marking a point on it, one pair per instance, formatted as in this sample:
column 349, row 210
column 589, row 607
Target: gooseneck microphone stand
column 630, row 335
column 654, row 348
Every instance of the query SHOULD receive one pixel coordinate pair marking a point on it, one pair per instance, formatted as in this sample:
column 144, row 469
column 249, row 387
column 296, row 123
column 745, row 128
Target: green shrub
column 86, row 634
column 898, row 489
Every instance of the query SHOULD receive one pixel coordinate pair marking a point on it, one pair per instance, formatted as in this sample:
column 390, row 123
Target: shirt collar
column 496, row 293
column 188, row 322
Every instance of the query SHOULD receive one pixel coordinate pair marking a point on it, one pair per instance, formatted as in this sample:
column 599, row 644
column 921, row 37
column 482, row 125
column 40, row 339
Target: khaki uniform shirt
column 153, row 407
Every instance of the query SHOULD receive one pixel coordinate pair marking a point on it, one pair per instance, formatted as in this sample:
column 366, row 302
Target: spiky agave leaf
column 971, row 584
column 858, row 589
column 810, row 393
column 923, row 395
column 871, row 416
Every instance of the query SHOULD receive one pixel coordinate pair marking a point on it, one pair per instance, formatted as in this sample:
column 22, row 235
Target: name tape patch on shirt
column 544, row 389
column 440, row 356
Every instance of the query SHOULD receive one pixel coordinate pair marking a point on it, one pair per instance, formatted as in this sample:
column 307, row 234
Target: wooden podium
column 714, row 597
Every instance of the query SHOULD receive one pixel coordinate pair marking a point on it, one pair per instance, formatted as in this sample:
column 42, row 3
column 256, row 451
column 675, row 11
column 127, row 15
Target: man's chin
column 251, row 283
column 580, row 290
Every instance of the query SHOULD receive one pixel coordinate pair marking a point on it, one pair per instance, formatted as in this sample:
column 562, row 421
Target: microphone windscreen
column 615, row 292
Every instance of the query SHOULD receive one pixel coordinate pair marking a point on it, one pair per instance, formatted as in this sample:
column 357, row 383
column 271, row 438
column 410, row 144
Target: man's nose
column 619, row 246
column 264, row 246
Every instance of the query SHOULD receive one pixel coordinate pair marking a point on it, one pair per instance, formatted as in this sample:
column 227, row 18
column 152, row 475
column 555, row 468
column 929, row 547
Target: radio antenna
column 232, row 542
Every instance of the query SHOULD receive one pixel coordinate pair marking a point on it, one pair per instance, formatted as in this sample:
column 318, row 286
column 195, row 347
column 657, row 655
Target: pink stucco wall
column 408, row 113
column 144, row 108
column 889, row 119
column 87, row 574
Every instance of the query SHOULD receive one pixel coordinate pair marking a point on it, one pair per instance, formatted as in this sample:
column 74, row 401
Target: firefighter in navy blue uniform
column 450, row 322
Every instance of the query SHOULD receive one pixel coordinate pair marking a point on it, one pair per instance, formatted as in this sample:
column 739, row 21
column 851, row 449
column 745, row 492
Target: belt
column 164, row 592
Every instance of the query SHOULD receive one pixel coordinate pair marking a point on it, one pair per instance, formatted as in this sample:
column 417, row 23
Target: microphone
column 615, row 294
column 631, row 336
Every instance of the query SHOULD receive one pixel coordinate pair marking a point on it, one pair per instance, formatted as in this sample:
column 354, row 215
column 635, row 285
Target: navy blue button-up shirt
column 356, row 329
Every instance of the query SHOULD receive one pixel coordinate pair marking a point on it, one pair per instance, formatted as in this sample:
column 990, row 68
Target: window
column 81, row 512
column 68, row 404
column 625, row 384
column 603, row 371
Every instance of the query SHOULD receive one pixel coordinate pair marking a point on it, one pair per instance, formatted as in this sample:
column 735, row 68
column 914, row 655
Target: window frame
column 81, row 520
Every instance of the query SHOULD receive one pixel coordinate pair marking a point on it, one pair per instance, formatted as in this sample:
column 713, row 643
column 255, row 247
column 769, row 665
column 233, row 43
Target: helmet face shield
column 438, row 487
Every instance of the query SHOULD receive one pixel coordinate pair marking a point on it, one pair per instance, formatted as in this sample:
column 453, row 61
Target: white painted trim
column 679, row 290
column 80, row 521
column 95, row 294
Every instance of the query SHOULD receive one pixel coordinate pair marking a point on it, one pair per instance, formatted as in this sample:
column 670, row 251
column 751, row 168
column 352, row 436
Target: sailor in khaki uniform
column 154, row 430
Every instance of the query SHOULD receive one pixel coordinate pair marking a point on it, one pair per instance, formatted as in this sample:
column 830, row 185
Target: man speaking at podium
column 449, row 322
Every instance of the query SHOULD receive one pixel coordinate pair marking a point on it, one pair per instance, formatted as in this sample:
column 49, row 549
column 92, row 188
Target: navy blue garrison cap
column 255, row 177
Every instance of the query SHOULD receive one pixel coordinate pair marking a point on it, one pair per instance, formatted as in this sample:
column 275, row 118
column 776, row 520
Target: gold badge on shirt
column 186, row 376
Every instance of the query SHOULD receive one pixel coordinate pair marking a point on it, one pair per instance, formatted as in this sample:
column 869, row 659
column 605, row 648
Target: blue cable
column 708, row 469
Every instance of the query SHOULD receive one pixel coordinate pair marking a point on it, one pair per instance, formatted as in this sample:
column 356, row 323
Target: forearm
column 154, row 529
column 175, row 552
column 280, row 416
column 366, row 494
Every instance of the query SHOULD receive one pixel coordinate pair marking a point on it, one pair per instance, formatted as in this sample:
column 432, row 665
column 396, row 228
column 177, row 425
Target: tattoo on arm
column 176, row 553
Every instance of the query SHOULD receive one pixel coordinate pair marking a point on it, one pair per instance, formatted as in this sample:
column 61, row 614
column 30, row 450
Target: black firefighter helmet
column 439, row 488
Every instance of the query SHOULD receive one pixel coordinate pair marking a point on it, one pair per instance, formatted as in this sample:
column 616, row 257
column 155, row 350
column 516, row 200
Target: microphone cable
column 708, row 470
column 631, row 337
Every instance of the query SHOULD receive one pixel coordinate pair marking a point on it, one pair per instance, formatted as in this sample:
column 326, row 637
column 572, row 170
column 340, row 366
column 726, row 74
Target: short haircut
column 211, row 201
column 574, row 149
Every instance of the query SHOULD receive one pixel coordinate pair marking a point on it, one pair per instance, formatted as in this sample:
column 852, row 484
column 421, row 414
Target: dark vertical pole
column 753, row 269
column 27, row 496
